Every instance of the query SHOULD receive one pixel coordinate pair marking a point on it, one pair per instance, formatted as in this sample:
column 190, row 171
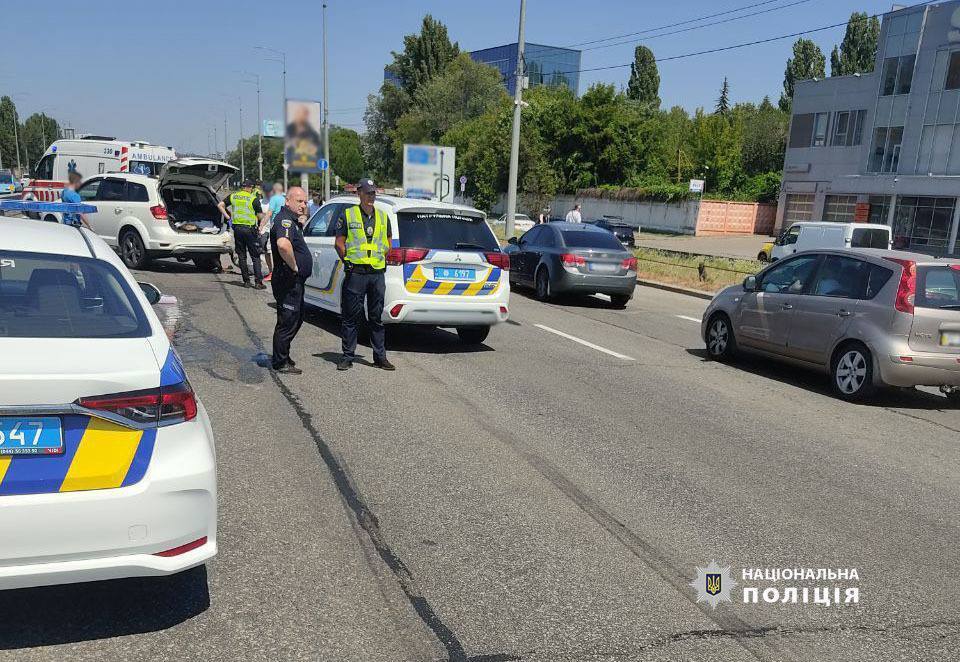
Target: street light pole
column 515, row 140
column 16, row 140
column 259, row 135
column 283, row 102
column 243, row 172
column 326, row 112
column 226, row 142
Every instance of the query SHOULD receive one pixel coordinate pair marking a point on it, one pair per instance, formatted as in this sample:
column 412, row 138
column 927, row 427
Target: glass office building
column 546, row 65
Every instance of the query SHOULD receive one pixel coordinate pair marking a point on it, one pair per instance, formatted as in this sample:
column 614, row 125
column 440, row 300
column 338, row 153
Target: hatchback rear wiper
column 464, row 244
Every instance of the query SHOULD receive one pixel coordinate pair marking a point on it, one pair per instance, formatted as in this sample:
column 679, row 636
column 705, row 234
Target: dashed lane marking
column 585, row 343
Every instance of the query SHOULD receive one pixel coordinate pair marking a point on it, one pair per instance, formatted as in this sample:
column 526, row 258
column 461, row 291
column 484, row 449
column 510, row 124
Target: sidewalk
column 739, row 246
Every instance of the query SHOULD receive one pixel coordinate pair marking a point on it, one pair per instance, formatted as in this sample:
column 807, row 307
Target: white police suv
column 106, row 454
column 444, row 268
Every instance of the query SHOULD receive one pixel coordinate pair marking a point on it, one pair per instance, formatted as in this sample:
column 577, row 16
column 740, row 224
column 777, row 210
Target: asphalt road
column 536, row 499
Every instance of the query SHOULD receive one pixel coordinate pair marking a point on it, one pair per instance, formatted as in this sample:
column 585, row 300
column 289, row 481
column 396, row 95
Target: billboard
column 272, row 129
column 428, row 172
column 303, row 145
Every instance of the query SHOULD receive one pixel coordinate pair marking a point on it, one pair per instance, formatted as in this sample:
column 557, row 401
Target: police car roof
column 21, row 234
column 398, row 203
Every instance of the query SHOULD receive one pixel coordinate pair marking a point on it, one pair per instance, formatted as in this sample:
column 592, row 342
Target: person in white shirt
column 573, row 216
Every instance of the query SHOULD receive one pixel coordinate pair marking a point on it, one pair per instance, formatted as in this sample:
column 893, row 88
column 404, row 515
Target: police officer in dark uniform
column 363, row 239
column 292, row 265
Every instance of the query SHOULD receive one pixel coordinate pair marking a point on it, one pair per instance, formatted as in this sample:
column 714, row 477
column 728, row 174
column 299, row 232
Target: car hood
column 196, row 171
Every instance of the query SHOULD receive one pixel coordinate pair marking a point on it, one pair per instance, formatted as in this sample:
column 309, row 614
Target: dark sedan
column 575, row 258
column 622, row 231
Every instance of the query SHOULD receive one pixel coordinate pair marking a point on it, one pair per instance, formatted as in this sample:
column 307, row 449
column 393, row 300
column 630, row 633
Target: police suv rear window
column 444, row 230
column 56, row 296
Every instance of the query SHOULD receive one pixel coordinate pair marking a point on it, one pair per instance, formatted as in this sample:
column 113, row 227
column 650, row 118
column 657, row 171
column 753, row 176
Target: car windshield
column 590, row 239
column 6, row 178
column 444, row 230
column 56, row 296
column 938, row 287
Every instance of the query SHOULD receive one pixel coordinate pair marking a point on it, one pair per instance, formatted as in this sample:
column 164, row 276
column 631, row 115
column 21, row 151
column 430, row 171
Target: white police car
column 106, row 455
column 445, row 267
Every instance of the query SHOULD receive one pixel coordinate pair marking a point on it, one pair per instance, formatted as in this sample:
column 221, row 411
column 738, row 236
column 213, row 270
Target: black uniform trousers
column 246, row 239
column 356, row 286
column 288, row 292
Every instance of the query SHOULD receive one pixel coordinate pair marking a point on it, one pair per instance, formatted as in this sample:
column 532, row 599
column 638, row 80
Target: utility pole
column 283, row 102
column 226, row 143
column 259, row 134
column 215, row 141
column 326, row 112
column 243, row 172
column 515, row 140
column 16, row 140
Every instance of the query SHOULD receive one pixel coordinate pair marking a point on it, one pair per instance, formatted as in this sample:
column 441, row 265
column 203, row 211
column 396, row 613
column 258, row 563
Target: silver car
column 868, row 317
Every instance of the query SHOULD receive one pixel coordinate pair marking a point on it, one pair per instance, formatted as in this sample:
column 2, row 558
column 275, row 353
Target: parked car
column 805, row 236
column 8, row 184
column 578, row 258
column 868, row 317
column 107, row 463
column 622, row 231
column 521, row 222
column 174, row 214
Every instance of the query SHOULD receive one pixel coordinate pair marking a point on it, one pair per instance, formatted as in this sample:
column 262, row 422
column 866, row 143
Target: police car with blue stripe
column 106, row 454
column 444, row 268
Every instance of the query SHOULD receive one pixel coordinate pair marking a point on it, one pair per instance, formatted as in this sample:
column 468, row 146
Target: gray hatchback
column 575, row 258
column 868, row 317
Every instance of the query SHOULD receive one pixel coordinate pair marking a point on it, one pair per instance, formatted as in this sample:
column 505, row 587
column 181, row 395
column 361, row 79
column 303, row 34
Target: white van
column 94, row 155
column 807, row 236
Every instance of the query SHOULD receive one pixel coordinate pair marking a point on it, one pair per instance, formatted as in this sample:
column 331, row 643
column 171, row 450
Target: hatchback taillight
column 159, row 212
column 153, row 407
column 571, row 260
column 907, row 290
column 630, row 264
column 498, row 259
column 396, row 256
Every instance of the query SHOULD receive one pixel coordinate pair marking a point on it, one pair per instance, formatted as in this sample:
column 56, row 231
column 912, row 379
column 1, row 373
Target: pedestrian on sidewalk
column 544, row 216
column 573, row 216
column 363, row 239
column 293, row 264
column 245, row 214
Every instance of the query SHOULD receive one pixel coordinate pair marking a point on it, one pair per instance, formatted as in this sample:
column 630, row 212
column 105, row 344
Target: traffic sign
column 696, row 185
column 322, row 164
column 463, row 184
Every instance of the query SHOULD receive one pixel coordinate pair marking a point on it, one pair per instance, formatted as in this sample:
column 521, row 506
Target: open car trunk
column 191, row 209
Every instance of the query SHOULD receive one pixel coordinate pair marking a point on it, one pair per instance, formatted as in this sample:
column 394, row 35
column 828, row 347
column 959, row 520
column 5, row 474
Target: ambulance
column 92, row 155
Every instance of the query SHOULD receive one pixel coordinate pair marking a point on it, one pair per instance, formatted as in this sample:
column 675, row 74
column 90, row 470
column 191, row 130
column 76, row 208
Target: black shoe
column 384, row 364
column 345, row 364
column 289, row 370
column 247, row 283
column 292, row 363
column 259, row 285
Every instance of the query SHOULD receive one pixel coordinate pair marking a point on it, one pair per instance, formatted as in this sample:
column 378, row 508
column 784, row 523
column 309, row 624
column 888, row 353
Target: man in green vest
column 245, row 214
column 363, row 239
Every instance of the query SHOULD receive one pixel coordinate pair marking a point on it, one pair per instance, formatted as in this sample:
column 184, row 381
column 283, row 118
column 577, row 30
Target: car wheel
column 50, row 218
column 543, row 284
column 953, row 398
column 473, row 335
column 852, row 372
column 619, row 301
column 207, row 263
column 761, row 256
column 721, row 343
column 132, row 251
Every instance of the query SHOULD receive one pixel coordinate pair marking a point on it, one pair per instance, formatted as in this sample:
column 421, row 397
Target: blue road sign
column 322, row 164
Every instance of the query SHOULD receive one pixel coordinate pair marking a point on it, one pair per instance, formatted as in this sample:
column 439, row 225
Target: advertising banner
column 303, row 144
column 428, row 172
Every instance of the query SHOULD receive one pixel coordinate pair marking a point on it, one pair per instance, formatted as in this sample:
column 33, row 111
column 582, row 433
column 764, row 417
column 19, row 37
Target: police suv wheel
column 473, row 335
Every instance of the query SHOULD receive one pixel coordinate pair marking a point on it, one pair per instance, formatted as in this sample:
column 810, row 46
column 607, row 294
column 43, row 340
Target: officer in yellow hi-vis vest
column 363, row 239
column 245, row 214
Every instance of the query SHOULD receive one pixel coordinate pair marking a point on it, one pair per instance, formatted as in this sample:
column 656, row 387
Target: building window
column 820, row 123
column 801, row 129
column 858, row 127
column 798, row 207
column 897, row 75
column 848, row 128
column 953, row 72
column 879, row 209
column 885, row 151
column 839, row 208
column 923, row 223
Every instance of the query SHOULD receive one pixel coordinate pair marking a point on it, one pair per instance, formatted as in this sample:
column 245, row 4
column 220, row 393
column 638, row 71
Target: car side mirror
column 513, row 240
column 750, row 284
column 151, row 292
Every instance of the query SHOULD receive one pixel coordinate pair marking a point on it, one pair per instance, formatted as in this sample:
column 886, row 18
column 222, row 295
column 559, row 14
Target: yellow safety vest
column 242, row 204
column 361, row 249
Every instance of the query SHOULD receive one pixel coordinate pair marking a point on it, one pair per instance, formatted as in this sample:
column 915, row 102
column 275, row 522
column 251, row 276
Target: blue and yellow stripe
column 97, row 455
column 416, row 282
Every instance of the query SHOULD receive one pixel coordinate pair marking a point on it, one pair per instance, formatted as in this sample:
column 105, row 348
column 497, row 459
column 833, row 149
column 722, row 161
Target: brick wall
column 719, row 217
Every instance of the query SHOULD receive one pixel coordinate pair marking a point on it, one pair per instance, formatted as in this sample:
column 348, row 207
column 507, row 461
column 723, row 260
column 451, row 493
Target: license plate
column 950, row 338
column 23, row 435
column 448, row 273
column 602, row 268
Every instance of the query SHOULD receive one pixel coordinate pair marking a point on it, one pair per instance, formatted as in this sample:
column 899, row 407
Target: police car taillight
column 397, row 256
column 148, row 408
column 498, row 259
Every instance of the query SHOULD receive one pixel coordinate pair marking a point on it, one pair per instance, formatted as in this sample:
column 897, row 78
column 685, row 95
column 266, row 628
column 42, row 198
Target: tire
column 619, row 301
column 207, row 263
column 543, row 284
column 473, row 335
column 721, row 343
column 953, row 399
column 762, row 257
column 851, row 373
column 50, row 218
column 132, row 251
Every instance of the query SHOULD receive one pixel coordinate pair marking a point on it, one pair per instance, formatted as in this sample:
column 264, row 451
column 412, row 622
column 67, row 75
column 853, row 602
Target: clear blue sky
column 164, row 71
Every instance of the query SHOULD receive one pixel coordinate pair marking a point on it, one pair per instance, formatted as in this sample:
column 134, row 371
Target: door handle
column 844, row 313
column 787, row 306
column 117, row 210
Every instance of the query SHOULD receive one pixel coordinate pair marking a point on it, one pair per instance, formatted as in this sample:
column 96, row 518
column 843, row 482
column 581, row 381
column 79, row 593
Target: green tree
column 272, row 159
column 807, row 62
column 857, row 51
column 8, row 116
column 723, row 102
column 346, row 158
column 644, row 83
column 764, row 136
column 383, row 112
column 36, row 134
column 424, row 55
column 717, row 151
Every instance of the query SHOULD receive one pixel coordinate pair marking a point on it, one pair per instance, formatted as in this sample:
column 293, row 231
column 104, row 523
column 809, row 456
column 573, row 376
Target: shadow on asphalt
column 573, row 300
column 170, row 266
column 819, row 383
column 54, row 615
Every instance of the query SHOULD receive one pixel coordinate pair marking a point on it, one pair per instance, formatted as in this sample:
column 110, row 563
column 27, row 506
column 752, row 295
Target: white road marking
column 585, row 343
column 692, row 319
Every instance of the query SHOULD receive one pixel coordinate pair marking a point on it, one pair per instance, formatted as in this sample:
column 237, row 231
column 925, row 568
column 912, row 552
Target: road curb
column 700, row 294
